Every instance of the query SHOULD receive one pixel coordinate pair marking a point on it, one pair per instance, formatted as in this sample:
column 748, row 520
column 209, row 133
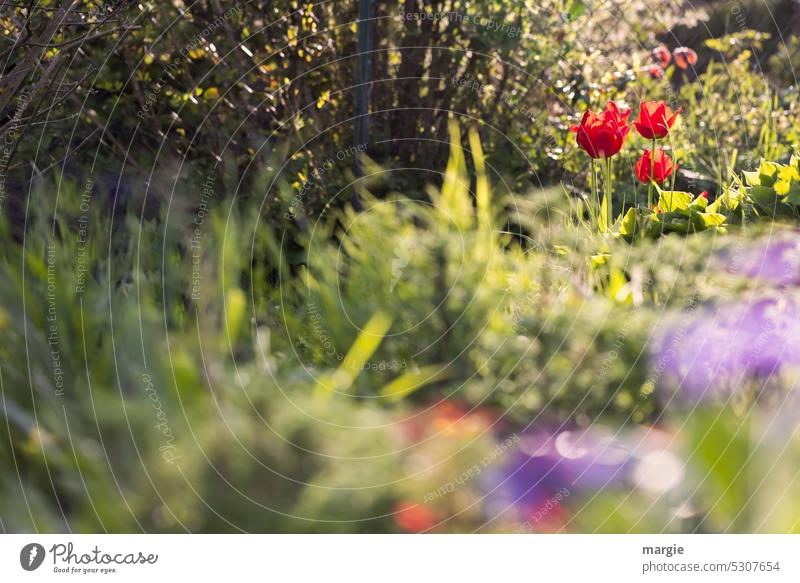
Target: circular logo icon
column 31, row 556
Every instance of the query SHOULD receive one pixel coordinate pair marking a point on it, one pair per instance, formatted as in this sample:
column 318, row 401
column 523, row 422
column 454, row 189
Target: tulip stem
column 674, row 160
column 652, row 175
column 610, row 214
column 594, row 207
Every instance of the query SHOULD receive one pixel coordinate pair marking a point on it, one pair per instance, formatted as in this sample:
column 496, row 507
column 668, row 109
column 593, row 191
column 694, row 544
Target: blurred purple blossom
column 553, row 467
column 712, row 351
column 550, row 466
column 776, row 261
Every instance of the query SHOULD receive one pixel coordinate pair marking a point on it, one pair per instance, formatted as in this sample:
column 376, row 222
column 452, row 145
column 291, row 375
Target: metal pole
column 366, row 28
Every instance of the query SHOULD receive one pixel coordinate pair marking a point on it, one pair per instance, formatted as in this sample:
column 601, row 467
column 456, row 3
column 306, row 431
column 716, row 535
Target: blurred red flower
column 661, row 164
column 662, row 56
column 704, row 194
column 602, row 134
column 448, row 419
column 413, row 517
column 549, row 519
column 655, row 119
column 684, row 57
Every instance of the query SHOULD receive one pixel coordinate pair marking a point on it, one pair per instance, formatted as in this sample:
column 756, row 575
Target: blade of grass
column 414, row 380
column 360, row 352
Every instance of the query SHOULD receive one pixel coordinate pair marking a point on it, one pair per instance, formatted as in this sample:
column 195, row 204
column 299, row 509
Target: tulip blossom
column 662, row 56
column 655, row 119
column 602, row 134
column 660, row 164
column 684, row 57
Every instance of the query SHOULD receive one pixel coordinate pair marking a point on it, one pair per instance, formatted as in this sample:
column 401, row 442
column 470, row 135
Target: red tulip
column 662, row 166
column 662, row 56
column 656, row 72
column 602, row 134
column 655, row 119
column 684, row 57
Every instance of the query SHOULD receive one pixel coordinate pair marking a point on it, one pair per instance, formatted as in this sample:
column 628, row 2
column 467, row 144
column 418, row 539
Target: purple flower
column 550, row 466
column 776, row 261
column 714, row 350
column 553, row 471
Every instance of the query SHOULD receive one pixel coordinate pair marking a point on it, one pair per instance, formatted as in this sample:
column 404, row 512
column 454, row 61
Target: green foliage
column 289, row 365
column 677, row 212
column 774, row 188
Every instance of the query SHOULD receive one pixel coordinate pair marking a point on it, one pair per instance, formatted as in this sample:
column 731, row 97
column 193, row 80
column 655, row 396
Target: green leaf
column 699, row 203
column 781, row 187
column 414, row 380
column 768, row 173
column 235, row 309
column 627, row 227
column 482, row 189
column 618, row 290
column 363, row 348
column 602, row 221
column 712, row 219
column 793, row 195
column 575, row 10
column 677, row 222
column 752, row 178
column 732, row 198
column 788, row 174
column 762, row 195
column 674, row 200
column 721, row 453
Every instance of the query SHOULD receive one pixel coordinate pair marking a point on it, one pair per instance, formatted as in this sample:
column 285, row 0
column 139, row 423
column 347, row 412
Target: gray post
column 366, row 28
